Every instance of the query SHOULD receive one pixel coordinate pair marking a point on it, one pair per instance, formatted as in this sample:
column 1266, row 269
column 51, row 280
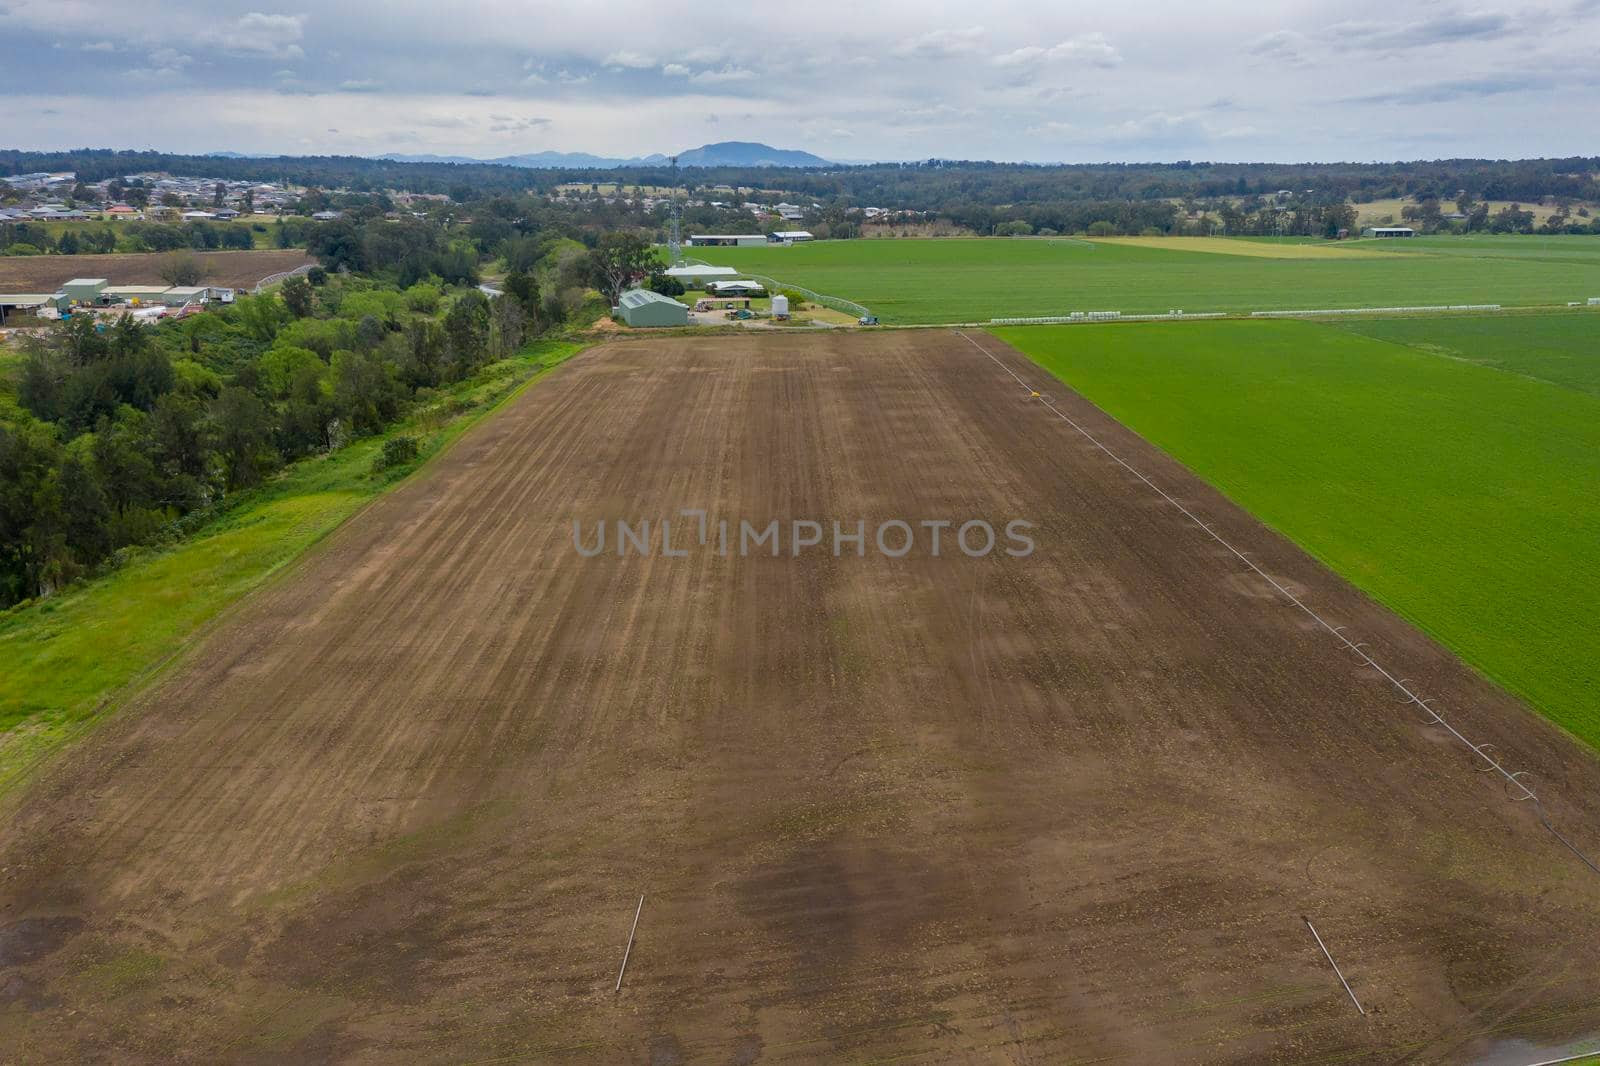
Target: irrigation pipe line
column 629, row 950
column 1522, row 792
column 1337, row 972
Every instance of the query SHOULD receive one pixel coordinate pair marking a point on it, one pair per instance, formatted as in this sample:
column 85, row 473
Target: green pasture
column 1465, row 498
column 1562, row 348
column 976, row 279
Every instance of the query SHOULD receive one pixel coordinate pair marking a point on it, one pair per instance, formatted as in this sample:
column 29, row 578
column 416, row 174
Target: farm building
column 641, row 307
column 695, row 275
column 1388, row 231
column 184, row 294
column 789, row 236
column 11, row 303
column 82, row 290
column 132, row 294
column 728, row 240
column 736, row 288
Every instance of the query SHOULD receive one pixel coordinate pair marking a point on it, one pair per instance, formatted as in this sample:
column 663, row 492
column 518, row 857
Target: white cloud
column 359, row 85
column 1092, row 49
column 632, row 60
column 726, row 74
column 257, row 34
column 941, row 44
column 675, row 70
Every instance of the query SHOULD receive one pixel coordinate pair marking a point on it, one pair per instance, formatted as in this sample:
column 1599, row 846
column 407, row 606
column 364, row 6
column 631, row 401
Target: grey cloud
column 1441, row 29
column 507, row 124
column 1286, row 45
column 1447, row 91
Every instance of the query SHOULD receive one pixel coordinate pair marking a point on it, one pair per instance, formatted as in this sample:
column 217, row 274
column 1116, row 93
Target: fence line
column 849, row 307
column 1374, row 310
column 1103, row 316
column 282, row 275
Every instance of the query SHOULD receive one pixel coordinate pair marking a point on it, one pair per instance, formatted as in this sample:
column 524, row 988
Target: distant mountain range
column 722, row 154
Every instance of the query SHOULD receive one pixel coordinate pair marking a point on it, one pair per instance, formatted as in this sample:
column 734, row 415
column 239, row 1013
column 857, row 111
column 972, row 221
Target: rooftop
column 640, row 297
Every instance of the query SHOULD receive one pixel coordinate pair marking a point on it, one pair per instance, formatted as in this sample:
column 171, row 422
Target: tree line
column 929, row 185
column 35, row 238
column 123, row 429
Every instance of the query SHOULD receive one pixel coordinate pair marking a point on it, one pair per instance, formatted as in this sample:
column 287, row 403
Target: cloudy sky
column 1152, row 80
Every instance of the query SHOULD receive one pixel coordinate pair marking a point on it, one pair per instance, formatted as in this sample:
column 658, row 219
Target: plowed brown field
column 1065, row 808
column 239, row 270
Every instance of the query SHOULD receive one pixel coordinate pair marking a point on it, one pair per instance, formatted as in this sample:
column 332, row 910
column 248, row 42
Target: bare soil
column 1064, row 808
column 238, row 270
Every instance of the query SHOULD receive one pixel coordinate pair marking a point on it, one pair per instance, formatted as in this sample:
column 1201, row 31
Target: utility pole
column 674, row 236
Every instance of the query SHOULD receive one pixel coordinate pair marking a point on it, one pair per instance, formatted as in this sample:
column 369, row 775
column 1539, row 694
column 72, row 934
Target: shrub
column 397, row 451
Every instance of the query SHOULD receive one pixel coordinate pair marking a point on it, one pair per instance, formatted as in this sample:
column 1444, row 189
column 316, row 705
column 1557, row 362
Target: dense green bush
column 397, row 451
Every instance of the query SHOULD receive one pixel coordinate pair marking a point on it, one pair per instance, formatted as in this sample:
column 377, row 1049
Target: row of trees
column 34, row 238
column 125, row 429
column 930, row 185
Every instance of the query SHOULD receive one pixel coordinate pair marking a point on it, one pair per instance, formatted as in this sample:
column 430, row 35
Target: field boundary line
column 1511, row 780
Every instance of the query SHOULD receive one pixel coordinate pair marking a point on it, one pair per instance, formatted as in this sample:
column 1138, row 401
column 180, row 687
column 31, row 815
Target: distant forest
column 935, row 185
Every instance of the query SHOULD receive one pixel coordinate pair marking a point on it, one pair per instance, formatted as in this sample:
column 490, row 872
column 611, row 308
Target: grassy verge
column 71, row 658
column 1460, row 496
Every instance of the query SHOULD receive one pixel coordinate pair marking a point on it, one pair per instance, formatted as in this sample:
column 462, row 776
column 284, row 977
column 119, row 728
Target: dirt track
column 1069, row 807
column 46, row 273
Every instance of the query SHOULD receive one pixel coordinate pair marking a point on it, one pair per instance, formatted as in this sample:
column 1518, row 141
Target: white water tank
column 780, row 306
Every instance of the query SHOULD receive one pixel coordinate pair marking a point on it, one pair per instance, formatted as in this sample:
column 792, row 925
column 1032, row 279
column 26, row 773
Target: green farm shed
column 641, row 307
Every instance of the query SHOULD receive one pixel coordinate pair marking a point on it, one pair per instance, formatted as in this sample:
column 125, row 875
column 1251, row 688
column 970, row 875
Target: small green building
column 83, row 290
column 641, row 307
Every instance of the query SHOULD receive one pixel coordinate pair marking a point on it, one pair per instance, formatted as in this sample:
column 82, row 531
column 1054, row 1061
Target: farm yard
column 239, row 270
column 974, row 280
column 1077, row 805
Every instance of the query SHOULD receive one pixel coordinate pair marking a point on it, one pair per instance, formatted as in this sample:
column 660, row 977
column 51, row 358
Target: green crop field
column 976, row 279
column 1562, row 348
column 1465, row 498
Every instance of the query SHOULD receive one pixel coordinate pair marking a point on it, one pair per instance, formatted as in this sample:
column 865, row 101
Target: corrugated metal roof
column 701, row 272
column 640, row 297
